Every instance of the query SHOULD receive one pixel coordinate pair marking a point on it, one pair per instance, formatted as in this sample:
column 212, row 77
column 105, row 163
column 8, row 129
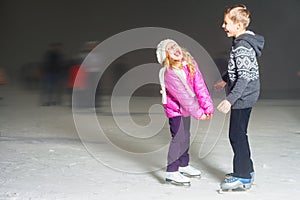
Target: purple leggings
column 179, row 146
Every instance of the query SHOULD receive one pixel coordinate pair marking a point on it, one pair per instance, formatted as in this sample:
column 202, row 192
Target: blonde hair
column 188, row 58
column 238, row 13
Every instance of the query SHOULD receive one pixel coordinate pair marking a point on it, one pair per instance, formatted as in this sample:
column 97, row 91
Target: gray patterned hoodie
column 243, row 70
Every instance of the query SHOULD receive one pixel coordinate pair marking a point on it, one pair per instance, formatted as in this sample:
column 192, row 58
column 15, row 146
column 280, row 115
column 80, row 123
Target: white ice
column 42, row 156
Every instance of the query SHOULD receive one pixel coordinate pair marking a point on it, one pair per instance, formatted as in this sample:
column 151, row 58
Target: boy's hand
column 219, row 85
column 224, row 106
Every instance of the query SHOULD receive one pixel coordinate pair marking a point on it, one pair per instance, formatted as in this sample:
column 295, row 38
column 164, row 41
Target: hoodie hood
column 256, row 41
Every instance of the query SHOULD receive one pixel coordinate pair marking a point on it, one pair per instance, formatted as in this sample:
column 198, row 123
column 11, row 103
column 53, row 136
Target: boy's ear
column 240, row 26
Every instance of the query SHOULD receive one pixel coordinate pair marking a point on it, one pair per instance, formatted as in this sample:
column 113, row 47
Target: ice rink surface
column 43, row 156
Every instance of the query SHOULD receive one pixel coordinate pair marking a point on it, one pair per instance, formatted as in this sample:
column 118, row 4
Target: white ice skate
column 235, row 184
column 190, row 171
column 177, row 178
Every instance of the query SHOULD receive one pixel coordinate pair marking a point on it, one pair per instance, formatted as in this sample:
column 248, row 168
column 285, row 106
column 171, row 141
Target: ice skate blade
column 242, row 188
column 169, row 181
column 191, row 176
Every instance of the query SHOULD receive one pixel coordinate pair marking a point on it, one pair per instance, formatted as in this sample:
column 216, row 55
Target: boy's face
column 232, row 29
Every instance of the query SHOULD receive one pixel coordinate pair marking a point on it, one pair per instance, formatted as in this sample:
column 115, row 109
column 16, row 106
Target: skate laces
column 189, row 170
column 234, row 179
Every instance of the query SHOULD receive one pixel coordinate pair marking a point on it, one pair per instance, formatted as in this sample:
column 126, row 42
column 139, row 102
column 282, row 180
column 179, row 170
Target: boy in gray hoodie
column 243, row 91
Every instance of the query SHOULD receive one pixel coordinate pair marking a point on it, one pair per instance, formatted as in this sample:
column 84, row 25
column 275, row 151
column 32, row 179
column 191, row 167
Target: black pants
column 242, row 163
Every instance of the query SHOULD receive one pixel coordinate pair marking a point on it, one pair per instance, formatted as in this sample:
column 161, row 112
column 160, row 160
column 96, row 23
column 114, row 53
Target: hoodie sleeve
column 177, row 89
column 237, row 90
column 202, row 92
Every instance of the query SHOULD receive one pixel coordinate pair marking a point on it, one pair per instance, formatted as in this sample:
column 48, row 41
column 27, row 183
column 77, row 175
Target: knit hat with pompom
column 161, row 50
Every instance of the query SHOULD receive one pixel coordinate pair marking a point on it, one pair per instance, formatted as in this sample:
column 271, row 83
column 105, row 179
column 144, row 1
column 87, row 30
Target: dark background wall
column 27, row 27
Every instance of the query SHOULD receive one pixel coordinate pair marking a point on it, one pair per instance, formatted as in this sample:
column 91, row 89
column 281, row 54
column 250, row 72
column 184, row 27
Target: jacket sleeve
column 177, row 89
column 202, row 92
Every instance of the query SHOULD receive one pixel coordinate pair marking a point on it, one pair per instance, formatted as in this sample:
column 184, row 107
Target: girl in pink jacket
column 184, row 94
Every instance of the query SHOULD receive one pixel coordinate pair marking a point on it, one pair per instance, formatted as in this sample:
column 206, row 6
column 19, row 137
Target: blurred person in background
column 52, row 75
column 87, row 76
column 3, row 79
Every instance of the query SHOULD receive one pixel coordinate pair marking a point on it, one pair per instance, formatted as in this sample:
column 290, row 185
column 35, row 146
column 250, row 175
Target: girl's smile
column 174, row 51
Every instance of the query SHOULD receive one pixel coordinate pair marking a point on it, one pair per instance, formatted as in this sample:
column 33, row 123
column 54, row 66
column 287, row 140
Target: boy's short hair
column 238, row 13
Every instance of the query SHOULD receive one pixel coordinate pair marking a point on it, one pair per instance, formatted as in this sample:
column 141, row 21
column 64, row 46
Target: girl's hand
column 209, row 116
column 206, row 117
column 203, row 117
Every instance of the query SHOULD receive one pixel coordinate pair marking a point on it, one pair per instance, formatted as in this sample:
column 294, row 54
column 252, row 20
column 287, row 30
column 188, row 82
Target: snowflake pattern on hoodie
column 243, row 63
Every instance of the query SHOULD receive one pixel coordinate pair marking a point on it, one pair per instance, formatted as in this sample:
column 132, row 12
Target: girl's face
column 232, row 29
column 174, row 51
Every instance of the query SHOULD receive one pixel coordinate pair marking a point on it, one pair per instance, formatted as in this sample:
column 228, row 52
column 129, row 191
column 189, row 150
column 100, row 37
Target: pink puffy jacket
column 180, row 102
